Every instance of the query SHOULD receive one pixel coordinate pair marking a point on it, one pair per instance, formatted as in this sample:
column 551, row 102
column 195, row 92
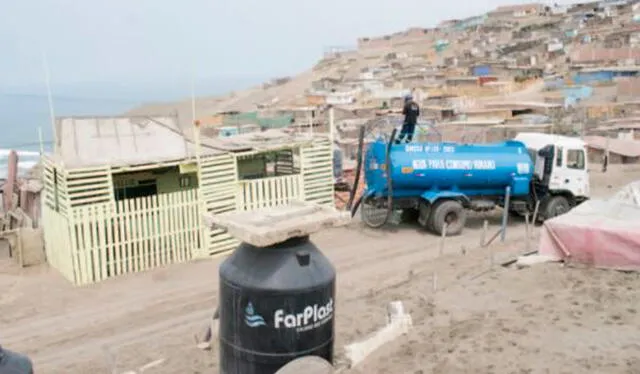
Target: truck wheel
column 557, row 205
column 424, row 217
column 449, row 212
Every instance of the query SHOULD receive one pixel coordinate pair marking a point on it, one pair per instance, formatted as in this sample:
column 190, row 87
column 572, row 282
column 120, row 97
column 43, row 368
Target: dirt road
column 548, row 315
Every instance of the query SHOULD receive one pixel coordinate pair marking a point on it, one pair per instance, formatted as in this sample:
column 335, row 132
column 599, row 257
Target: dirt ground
column 479, row 318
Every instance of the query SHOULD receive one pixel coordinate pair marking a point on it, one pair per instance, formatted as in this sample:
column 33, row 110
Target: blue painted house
column 553, row 83
column 469, row 23
column 602, row 75
column 481, row 70
column 574, row 94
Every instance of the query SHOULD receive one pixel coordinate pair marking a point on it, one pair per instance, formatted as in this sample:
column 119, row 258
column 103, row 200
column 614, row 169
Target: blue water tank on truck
column 442, row 180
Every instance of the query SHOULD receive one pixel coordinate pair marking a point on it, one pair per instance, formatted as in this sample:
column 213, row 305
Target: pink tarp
column 604, row 234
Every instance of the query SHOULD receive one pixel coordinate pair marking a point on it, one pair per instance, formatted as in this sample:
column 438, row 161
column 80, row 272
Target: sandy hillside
column 544, row 319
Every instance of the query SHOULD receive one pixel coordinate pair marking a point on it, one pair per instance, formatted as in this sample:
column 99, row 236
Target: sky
column 148, row 43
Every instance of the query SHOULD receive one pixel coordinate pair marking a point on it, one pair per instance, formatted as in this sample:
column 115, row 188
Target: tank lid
column 266, row 227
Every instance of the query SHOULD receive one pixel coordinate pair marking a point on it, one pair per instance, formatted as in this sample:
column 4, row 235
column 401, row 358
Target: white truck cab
column 561, row 166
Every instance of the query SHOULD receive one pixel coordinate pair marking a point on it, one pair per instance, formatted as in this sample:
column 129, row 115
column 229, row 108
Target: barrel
column 276, row 304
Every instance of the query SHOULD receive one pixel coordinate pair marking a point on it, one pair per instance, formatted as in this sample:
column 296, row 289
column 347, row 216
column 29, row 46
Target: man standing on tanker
column 411, row 112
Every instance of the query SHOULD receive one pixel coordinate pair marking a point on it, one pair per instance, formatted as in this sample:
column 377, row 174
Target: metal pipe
column 389, row 179
column 536, row 210
column 526, row 222
column 505, row 213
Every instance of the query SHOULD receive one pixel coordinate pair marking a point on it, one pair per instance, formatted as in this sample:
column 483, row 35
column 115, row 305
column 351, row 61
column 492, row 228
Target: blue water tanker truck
column 441, row 181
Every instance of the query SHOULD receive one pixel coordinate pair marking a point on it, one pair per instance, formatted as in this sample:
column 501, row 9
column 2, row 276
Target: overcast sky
column 143, row 41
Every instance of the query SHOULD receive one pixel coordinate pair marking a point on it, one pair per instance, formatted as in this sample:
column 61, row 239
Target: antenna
column 52, row 115
column 194, row 122
column 193, row 96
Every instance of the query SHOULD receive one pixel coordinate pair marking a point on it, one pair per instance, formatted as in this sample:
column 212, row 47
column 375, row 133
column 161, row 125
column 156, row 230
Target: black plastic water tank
column 276, row 304
column 14, row 363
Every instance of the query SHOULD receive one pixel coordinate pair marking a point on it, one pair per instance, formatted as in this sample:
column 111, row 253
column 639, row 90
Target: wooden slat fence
column 218, row 188
column 132, row 235
column 57, row 244
column 317, row 172
column 268, row 192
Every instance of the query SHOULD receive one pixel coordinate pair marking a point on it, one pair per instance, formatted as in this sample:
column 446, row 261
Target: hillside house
column 325, row 84
column 624, row 37
column 621, row 151
column 628, row 88
column 587, row 54
column 517, row 11
column 126, row 194
column 526, row 107
column 604, row 74
column 485, row 113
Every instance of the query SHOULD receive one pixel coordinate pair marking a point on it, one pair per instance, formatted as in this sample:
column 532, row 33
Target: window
column 185, row 181
column 559, row 154
column 269, row 164
column 575, row 159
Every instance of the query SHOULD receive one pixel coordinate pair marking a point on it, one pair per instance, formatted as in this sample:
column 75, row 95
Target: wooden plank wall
column 317, row 172
column 90, row 186
column 54, row 187
column 218, row 178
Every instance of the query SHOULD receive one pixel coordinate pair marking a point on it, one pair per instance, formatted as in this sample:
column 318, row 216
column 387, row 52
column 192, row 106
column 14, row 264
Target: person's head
column 408, row 98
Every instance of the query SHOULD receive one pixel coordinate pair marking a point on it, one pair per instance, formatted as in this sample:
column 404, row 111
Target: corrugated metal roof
column 119, row 141
column 629, row 148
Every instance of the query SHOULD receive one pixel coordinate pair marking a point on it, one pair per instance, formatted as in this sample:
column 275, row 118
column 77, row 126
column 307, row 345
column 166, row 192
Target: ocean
column 22, row 115
column 25, row 110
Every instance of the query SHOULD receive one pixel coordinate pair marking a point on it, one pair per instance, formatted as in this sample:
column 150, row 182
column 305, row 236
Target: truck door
column 570, row 171
column 576, row 177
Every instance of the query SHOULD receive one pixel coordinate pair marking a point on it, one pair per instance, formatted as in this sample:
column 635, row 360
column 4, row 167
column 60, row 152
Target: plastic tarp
column 599, row 233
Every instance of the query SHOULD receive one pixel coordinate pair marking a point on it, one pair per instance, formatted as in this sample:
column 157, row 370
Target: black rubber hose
column 387, row 166
column 389, row 179
column 356, row 205
column 356, row 181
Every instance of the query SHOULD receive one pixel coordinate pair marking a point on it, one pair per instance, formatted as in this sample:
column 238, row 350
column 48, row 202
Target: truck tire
column 556, row 206
column 448, row 212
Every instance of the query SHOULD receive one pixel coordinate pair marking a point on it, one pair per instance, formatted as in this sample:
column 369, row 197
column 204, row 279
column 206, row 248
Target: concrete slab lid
column 266, row 227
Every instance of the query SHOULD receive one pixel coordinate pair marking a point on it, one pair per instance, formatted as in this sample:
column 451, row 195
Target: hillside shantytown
column 107, row 264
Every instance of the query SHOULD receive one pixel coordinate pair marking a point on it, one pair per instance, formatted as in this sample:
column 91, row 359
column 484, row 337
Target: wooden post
column 442, row 238
column 526, row 227
column 505, row 214
column 52, row 114
column 485, row 228
column 40, row 141
column 434, row 282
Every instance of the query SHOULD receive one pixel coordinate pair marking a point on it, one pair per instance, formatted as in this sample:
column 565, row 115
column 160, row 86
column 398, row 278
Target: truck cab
column 561, row 171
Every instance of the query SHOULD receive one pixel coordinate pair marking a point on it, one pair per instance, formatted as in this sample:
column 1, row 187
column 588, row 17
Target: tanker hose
column 389, row 172
column 356, row 205
column 356, row 180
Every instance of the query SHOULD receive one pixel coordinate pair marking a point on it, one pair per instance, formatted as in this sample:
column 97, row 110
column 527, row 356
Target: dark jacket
column 411, row 112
